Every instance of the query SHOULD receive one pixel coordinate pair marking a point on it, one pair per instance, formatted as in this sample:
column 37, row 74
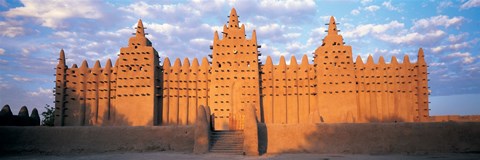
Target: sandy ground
column 180, row 156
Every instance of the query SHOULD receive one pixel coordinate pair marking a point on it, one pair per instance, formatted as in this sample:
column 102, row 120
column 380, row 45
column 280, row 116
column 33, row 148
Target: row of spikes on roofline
column 205, row 63
column 97, row 68
column 381, row 60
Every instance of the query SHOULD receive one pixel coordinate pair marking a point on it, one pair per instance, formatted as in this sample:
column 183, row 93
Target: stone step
column 229, row 152
column 226, row 139
column 226, row 149
column 226, row 142
column 227, row 146
column 231, row 133
column 226, row 135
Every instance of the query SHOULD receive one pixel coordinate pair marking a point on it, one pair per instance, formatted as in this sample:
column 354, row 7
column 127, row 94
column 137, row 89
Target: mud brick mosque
column 140, row 91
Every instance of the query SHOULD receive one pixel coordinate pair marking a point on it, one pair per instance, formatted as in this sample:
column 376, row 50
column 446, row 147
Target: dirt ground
column 181, row 156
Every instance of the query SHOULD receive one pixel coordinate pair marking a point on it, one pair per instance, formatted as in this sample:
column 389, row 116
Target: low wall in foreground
column 364, row 138
column 371, row 138
column 96, row 139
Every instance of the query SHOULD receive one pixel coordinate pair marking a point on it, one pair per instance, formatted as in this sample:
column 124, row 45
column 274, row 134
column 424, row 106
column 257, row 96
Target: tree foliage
column 48, row 116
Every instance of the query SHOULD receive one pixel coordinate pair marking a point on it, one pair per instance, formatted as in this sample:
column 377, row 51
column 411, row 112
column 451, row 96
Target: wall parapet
column 96, row 139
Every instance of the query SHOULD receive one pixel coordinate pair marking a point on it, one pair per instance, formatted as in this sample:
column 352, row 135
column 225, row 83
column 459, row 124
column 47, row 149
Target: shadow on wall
column 22, row 119
column 371, row 138
column 390, row 119
column 87, row 115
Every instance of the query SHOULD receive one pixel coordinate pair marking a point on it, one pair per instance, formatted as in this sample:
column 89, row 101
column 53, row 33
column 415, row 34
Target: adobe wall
column 371, row 138
column 96, row 139
column 455, row 118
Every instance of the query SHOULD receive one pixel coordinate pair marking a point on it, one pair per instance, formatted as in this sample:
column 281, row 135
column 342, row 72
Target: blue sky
column 32, row 33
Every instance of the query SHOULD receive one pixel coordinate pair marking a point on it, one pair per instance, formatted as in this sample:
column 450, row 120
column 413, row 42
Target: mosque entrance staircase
column 226, row 142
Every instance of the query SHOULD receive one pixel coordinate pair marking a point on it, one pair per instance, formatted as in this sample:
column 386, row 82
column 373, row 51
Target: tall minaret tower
column 137, row 94
column 335, row 78
column 235, row 75
column 423, row 91
column 60, row 86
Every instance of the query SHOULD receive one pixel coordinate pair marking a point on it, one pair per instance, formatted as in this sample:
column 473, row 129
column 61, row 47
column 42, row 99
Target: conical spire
column 61, row 60
column 269, row 61
column 332, row 27
column 140, row 30
column 293, row 62
column 381, row 60
column 421, row 56
column 177, row 63
column 282, row 61
column 215, row 37
column 394, row 60
column 166, row 62
column 305, row 60
column 359, row 60
column 333, row 38
column 233, row 19
column 97, row 65
column 370, row 59
column 254, row 36
column 84, row 64
column 109, row 63
column 186, row 63
column 205, row 63
column 96, row 68
column 406, row 59
column 195, row 63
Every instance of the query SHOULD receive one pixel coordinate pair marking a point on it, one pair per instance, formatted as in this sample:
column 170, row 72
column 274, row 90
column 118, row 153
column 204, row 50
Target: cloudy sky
column 32, row 32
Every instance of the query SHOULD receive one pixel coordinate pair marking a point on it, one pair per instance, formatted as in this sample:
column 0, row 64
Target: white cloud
column 290, row 6
column 365, row 1
column 355, row 12
column 11, row 29
column 41, row 92
column 292, row 35
column 467, row 58
column 372, row 8
column 19, row 78
column 201, row 42
column 287, row 11
column 440, row 20
column 169, row 12
column 294, row 47
column 435, row 64
column 389, row 6
column 470, row 4
column 2, row 51
column 65, row 34
column 451, row 47
column 413, row 38
column 386, row 51
column 443, row 4
column 424, row 32
column 366, row 29
column 52, row 13
column 458, row 37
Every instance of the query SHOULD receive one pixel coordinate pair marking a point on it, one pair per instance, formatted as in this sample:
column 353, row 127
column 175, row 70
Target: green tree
column 48, row 116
